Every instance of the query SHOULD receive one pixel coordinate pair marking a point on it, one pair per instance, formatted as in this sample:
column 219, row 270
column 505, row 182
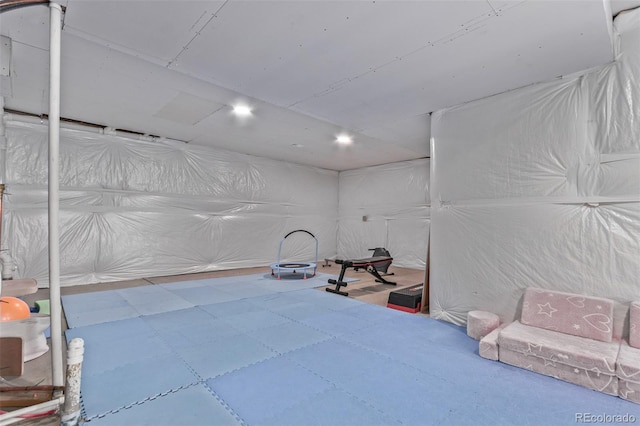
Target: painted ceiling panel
column 464, row 67
column 28, row 64
column 310, row 69
column 29, row 26
column 154, row 30
column 410, row 133
column 319, row 46
column 188, row 109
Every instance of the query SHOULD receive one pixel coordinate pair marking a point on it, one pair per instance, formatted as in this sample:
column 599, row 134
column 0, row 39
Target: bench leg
column 373, row 271
column 336, row 291
column 339, row 282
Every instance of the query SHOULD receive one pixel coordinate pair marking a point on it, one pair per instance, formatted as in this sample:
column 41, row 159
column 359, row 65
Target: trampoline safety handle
column 299, row 230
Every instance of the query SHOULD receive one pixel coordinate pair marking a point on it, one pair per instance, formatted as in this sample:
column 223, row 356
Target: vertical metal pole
column 54, row 202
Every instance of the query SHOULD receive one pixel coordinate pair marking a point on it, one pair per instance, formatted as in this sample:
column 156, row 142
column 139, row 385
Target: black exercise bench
column 369, row 264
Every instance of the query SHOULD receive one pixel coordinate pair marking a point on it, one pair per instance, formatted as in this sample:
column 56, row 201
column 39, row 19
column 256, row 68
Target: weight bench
column 369, row 264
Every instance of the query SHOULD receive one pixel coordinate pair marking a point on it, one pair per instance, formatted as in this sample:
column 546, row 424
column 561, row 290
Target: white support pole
column 55, row 27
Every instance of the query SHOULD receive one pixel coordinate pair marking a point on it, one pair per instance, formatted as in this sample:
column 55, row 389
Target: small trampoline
column 295, row 267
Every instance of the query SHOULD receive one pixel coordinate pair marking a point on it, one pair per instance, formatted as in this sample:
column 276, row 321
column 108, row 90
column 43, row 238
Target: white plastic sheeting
column 132, row 209
column 540, row 187
column 386, row 206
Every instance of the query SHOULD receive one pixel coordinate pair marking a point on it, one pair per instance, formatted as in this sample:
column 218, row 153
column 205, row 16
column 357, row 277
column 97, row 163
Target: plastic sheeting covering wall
column 540, row 187
column 386, row 206
column 131, row 209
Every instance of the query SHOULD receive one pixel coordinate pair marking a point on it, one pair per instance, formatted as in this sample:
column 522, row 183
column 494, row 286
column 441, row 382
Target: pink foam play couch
column 628, row 362
column 566, row 336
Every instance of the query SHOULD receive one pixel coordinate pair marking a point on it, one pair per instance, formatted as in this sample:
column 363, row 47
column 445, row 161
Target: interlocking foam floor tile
column 332, row 407
column 336, row 323
column 532, row 398
column 275, row 301
column 424, row 329
column 392, row 388
column 236, row 279
column 256, row 320
column 371, row 313
column 301, row 311
column 193, row 406
column 454, row 388
column 299, row 356
column 245, row 290
column 264, row 390
column 111, row 390
column 203, row 295
column 212, row 282
column 188, row 327
column 287, row 337
column 230, row 308
column 177, row 285
column 291, row 285
column 325, row 299
column 415, row 346
column 223, row 355
column 115, row 344
column 232, row 285
column 95, row 308
column 153, row 299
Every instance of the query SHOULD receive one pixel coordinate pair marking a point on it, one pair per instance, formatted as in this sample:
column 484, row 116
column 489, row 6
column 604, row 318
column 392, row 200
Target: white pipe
column 31, row 119
column 14, row 416
column 19, row 118
column 7, row 265
column 72, row 408
column 54, row 197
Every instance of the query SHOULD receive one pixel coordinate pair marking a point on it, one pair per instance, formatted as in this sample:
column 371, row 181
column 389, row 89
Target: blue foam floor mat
column 194, row 405
column 242, row 351
column 98, row 307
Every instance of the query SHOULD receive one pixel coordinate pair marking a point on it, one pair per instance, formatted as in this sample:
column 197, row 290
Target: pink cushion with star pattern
column 575, row 314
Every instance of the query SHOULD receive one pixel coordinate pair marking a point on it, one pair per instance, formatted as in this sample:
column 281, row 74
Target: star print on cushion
column 564, row 312
column 546, row 309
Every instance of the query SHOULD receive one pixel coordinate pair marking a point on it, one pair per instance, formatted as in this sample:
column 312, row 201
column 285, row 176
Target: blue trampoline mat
column 298, row 357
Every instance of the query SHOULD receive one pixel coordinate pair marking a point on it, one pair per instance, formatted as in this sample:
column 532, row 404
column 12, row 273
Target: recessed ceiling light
column 296, row 145
column 242, row 110
column 344, row 139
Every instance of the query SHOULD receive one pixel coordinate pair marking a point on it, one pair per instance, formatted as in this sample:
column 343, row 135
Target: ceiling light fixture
column 242, row 110
column 344, row 139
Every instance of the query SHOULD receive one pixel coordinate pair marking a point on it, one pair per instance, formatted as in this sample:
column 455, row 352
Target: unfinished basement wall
column 385, row 206
column 132, row 209
column 540, row 187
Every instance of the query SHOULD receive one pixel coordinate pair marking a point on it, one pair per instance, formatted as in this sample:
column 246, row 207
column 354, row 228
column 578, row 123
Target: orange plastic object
column 12, row 308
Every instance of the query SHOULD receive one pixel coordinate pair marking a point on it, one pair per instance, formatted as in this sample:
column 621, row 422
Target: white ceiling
column 310, row 69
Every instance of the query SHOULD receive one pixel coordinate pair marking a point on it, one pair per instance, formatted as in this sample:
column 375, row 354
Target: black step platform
column 406, row 299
